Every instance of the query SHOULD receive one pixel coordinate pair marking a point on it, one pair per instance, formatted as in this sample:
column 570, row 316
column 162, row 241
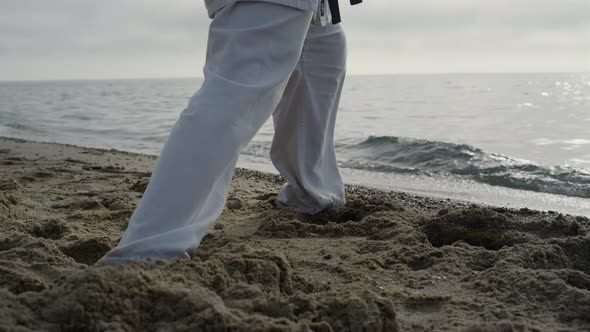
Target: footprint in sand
column 87, row 251
column 52, row 229
column 87, row 204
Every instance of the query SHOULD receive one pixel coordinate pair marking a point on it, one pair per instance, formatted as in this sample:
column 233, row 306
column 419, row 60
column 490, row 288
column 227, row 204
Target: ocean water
column 515, row 140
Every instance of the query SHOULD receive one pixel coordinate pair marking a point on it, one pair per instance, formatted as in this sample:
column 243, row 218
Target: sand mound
column 237, row 288
column 493, row 230
column 377, row 217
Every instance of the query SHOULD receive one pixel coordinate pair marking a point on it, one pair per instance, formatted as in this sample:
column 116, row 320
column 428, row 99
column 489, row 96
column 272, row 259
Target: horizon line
column 349, row 75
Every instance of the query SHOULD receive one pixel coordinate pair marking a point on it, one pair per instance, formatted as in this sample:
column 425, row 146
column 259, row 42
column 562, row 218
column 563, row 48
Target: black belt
column 335, row 9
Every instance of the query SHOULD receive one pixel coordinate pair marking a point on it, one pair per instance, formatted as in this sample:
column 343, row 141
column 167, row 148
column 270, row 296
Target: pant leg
column 252, row 49
column 303, row 144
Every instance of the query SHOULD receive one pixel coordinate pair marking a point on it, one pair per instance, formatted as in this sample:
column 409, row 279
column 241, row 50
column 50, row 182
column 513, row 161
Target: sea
column 511, row 140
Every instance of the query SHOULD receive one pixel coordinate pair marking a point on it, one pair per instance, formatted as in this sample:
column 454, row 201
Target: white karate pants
column 263, row 59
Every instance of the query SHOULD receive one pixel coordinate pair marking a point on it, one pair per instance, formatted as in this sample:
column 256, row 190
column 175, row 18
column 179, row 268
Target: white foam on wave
column 577, row 141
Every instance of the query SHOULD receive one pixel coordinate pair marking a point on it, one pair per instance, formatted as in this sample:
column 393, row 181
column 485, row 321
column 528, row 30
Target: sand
column 386, row 261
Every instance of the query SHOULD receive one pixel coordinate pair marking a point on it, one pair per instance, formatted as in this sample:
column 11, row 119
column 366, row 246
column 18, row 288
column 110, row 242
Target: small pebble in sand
column 234, row 204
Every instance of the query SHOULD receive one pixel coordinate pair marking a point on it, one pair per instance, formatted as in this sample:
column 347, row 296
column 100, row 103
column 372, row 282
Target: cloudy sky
column 69, row 39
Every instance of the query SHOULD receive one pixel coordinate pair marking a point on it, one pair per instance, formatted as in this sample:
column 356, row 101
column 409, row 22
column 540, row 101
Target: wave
column 432, row 158
column 20, row 127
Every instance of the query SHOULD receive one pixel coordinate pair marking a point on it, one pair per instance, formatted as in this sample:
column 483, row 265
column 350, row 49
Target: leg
column 251, row 52
column 303, row 144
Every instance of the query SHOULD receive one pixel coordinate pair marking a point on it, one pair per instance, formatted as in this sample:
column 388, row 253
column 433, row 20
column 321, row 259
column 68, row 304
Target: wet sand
column 386, row 261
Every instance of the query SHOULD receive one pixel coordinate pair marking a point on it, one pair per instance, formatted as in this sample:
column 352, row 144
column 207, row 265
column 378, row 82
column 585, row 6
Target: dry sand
column 385, row 262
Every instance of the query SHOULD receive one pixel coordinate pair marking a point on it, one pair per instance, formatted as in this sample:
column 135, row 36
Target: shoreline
column 433, row 200
column 387, row 261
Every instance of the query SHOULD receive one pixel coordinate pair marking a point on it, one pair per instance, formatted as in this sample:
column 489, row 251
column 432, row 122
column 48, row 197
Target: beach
column 387, row 261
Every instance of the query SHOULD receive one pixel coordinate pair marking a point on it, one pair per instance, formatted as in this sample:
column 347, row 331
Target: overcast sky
column 66, row 39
